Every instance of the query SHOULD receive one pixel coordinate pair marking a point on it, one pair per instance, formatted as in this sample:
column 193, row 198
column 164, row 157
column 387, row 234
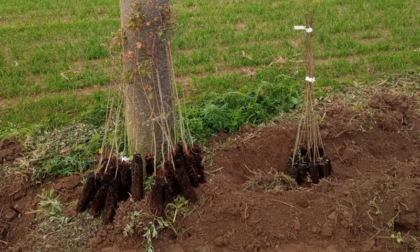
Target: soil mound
column 394, row 110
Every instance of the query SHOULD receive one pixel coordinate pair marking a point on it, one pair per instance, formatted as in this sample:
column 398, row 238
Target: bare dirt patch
column 10, row 149
column 23, row 227
column 370, row 203
column 394, row 110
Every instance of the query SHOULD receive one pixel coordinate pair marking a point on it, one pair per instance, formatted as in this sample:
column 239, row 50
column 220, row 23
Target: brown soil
column 373, row 193
column 19, row 204
column 10, row 149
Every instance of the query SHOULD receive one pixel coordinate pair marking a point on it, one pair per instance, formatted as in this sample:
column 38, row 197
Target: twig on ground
column 338, row 154
column 287, row 204
column 13, row 193
column 215, row 170
column 199, row 214
column 382, row 83
column 359, row 172
column 251, row 171
column 368, row 214
column 245, row 216
column 409, row 188
column 341, row 133
column 15, row 210
column 375, row 235
column 292, row 234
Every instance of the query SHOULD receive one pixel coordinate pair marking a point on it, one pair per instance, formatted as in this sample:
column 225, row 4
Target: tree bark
column 148, row 74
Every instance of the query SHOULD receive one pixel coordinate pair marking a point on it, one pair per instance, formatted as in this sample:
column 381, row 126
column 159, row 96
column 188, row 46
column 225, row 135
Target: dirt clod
column 333, row 216
column 370, row 246
column 394, row 110
column 409, row 221
column 327, row 232
column 296, row 224
column 219, row 241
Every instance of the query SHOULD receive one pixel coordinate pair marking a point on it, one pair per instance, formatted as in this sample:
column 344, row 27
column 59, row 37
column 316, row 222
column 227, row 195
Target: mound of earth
column 370, row 203
column 372, row 199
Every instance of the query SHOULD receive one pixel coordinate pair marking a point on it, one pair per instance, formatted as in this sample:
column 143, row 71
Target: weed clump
column 64, row 151
column 253, row 105
column 273, row 181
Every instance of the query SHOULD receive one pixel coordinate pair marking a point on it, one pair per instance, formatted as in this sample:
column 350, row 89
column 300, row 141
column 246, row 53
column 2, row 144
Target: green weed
column 135, row 220
column 148, row 183
column 59, row 232
column 51, row 207
column 397, row 237
column 151, row 226
column 73, row 236
column 254, row 105
column 179, row 206
column 65, row 151
column 151, row 232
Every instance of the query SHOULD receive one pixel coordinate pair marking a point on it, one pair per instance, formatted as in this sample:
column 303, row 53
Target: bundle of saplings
column 117, row 179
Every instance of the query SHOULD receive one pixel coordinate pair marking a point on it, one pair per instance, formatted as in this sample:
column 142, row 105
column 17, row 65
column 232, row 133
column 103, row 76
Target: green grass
column 254, row 103
column 53, row 112
column 52, row 46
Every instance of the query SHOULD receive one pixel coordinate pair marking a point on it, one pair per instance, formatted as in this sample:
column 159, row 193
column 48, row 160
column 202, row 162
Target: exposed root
column 104, row 190
column 111, row 202
column 157, row 199
column 137, row 187
column 88, row 193
column 150, row 160
column 178, row 175
column 197, row 153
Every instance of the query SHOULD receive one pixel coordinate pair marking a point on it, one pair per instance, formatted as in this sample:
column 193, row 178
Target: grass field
column 54, row 69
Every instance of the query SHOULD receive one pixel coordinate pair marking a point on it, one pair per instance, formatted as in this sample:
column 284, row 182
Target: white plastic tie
column 125, row 159
column 303, row 28
column 310, row 79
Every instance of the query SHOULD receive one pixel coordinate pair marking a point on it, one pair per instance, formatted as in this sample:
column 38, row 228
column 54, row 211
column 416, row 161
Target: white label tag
column 303, row 28
column 310, row 79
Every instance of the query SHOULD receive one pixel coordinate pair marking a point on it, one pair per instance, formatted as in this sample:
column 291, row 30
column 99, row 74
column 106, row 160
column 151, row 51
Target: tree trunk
column 148, row 74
